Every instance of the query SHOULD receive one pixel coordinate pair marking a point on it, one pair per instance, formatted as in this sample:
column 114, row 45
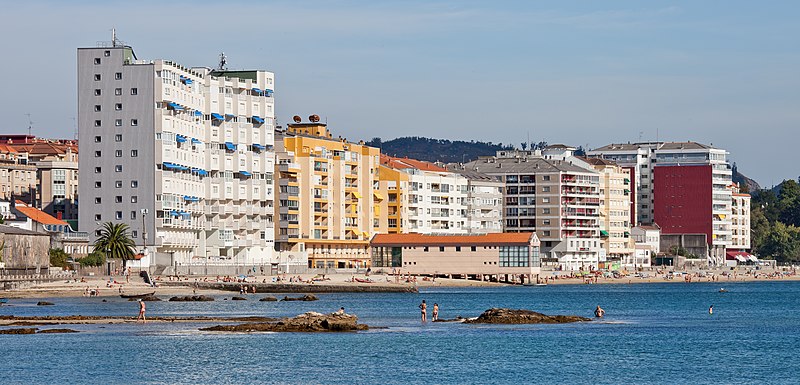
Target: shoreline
column 337, row 283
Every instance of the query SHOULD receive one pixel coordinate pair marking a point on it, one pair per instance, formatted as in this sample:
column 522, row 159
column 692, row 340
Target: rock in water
column 268, row 299
column 50, row 331
column 307, row 297
column 192, row 298
column 308, row 322
column 19, row 331
column 44, row 303
column 238, row 299
column 511, row 316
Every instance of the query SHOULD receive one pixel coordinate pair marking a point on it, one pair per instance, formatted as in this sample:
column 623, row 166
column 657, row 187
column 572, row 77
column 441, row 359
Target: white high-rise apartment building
column 184, row 156
column 484, row 201
column 740, row 219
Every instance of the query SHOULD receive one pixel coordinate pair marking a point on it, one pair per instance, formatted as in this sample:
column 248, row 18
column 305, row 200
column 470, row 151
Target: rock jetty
column 310, row 322
column 191, row 298
column 307, row 297
column 268, row 298
column 511, row 316
column 35, row 331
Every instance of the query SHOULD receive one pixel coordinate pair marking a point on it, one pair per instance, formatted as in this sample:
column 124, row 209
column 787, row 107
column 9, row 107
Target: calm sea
column 652, row 333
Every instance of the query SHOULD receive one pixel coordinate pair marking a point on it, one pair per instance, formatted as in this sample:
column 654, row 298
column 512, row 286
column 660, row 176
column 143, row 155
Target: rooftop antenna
column 640, row 136
column 74, row 129
column 113, row 36
column 30, row 124
column 223, row 62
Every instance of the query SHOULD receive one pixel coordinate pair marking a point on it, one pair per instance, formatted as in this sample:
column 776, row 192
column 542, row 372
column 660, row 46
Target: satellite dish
column 314, row 118
column 297, row 119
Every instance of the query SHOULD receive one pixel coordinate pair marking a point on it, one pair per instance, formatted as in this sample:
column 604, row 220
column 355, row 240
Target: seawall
column 296, row 288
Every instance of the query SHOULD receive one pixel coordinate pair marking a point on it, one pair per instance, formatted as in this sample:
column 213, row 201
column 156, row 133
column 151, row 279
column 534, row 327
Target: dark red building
column 682, row 199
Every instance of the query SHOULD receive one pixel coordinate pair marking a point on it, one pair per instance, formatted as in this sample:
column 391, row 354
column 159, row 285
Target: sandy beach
column 345, row 283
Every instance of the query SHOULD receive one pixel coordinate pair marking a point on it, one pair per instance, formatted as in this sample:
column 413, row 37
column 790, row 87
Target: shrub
column 94, row 259
column 58, row 258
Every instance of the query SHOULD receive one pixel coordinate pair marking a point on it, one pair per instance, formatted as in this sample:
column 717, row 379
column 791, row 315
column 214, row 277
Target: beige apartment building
column 506, row 256
column 391, row 214
column 615, row 209
column 740, row 219
column 329, row 192
column 56, row 165
column 17, row 177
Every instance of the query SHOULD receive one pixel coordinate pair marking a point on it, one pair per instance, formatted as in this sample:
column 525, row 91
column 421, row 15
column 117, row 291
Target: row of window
column 117, row 91
column 117, row 76
column 117, row 184
column 117, row 153
column 117, row 122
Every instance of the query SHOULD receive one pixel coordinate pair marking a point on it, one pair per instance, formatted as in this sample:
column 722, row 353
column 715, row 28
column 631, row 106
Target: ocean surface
column 652, row 333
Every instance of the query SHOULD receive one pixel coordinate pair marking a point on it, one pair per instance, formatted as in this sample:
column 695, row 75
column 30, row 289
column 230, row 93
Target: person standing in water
column 423, row 307
column 599, row 312
column 435, row 314
column 711, row 310
column 141, row 312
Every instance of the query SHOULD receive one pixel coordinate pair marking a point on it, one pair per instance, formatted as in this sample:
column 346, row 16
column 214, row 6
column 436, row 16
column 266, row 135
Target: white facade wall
column 484, row 207
column 436, row 202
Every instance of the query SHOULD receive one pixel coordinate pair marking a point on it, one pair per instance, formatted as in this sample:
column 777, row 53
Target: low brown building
column 506, row 256
column 24, row 251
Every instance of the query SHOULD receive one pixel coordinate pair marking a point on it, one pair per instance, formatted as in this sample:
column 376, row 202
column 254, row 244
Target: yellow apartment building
column 615, row 209
column 330, row 197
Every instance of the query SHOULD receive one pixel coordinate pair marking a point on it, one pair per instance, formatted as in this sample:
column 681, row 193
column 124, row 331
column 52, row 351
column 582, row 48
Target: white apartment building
column 183, row 156
column 437, row 199
column 484, row 201
column 647, row 240
column 740, row 219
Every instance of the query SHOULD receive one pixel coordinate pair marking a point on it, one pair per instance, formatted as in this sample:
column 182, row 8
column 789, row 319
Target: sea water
column 652, row 333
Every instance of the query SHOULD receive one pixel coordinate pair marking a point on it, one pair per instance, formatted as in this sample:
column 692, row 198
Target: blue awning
column 217, row 116
column 190, row 198
column 268, row 92
column 202, row 172
column 180, row 138
column 175, row 106
column 189, row 81
column 259, row 147
column 198, row 113
column 257, row 119
column 174, row 213
column 170, row 166
column 230, row 146
column 230, row 116
column 196, row 141
column 257, row 90
column 184, row 214
column 245, row 173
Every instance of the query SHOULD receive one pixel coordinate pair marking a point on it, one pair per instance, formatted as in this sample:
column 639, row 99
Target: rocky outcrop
column 457, row 319
column 44, row 303
column 307, row 297
column 191, row 298
column 268, row 299
column 510, row 316
column 148, row 298
column 36, row 331
column 238, row 299
column 310, row 322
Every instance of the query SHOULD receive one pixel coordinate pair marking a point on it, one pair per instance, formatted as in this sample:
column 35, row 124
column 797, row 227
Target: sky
column 582, row 73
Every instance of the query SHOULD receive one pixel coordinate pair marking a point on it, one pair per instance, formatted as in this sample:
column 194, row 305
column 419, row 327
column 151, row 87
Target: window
column 458, row 248
column 97, row 108
column 546, row 211
column 118, row 184
column 441, row 249
column 545, row 200
column 98, row 200
column 98, row 170
column 118, row 76
column 118, row 153
column 134, row 91
column 118, row 168
column 97, row 77
column 98, row 184
column 134, row 199
column 118, row 122
column 514, row 256
column 133, row 214
column 546, row 189
column 134, row 153
column 118, row 137
column 97, row 92
column 118, row 106
column 118, row 91
column 98, row 123
column 98, row 139
column 546, row 222
column 473, row 248
column 118, row 199
column 134, row 234
column 134, row 184
column 98, row 217
column 545, row 177
column 98, row 154
column 118, row 215
column 134, row 122
column 97, row 60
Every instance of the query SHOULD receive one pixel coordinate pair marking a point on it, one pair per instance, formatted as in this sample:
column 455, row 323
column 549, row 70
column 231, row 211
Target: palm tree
column 115, row 242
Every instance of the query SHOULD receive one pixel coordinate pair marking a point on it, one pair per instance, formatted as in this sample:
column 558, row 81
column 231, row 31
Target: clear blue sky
column 574, row 72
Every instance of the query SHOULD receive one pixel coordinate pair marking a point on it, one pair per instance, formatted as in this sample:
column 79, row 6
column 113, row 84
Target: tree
column 524, row 145
column 95, row 258
column 783, row 243
column 759, row 229
column 789, row 203
column 59, row 258
column 115, row 242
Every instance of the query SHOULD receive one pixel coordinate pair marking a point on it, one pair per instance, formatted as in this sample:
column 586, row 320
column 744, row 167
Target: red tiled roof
column 7, row 148
column 37, row 215
column 492, row 239
column 403, row 163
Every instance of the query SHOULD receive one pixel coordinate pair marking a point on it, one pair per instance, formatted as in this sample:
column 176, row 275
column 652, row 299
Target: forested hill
column 433, row 150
